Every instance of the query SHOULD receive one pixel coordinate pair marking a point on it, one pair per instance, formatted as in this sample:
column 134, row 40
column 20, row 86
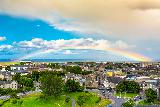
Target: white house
column 6, row 75
column 9, row 84
column 19, row 67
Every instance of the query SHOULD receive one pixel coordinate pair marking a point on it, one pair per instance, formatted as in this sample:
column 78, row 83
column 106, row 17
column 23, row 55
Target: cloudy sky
column 111, row 30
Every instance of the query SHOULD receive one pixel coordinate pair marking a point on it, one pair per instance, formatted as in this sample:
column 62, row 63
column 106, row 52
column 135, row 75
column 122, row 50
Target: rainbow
column 132, row 55
column 126, row 54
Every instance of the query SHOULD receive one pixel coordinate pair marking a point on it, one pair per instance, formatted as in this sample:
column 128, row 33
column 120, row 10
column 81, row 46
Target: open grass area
column 8, row 63
column 128, row 95
column 34, row 100
column 92, row 101
column 144, row 103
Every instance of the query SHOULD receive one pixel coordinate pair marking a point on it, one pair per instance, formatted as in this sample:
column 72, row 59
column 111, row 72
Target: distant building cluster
column 101, row 75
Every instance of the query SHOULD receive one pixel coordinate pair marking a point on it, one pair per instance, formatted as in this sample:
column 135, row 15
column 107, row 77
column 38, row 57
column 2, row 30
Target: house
column 131, row 77
column 91, row 81
column 22, row 69
column 148, row 84
column 113, row 81
column 75, row 77
column 6, row 75
column 9, row 84
column 19, row 67
column 37, row 85
column 3, row 69
column 26, row 62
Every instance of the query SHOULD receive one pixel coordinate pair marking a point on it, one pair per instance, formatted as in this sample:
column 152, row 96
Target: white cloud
column 69, row 52
column 41, row 47
column 123, row 19
column 3, row 47
column 2, row 38
column 74, row 44
column 149, row 49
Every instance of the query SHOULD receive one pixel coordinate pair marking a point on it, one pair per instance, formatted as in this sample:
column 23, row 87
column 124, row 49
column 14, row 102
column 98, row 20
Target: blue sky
column 125, row 31
column 19, row 29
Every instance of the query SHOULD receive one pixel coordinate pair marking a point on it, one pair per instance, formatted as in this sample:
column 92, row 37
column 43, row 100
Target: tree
column 72, row 86
column 121, row 87
column 24, row 81
column 6, row 91
column 151, row 95
column 17, row 77
column 1, row 67
column 74, row 69
column 53, row 65
column 8, row 68
column 35, row 75
column 129, row 103
column 133, row 87
column 22, row 63
column 82, row 99
column 67, row 99
column 13, row 95
column 52, row 85
column 128, row 86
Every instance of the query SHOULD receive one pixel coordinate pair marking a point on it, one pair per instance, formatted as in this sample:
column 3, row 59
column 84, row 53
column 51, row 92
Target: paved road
column 5, row 97
column 154, row 105
column 117, row 102
column 73, row 102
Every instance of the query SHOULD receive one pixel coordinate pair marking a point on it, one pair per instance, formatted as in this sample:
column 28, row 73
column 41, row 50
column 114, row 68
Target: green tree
column 151, row 95
column 74, row 69
column 8, row 68
column 14, row 95
column 1, row 67
column 35, row 75
column 67, row 99
column 129, row 103
column 82, row 99
column 24, row 81
column 128, row 86
column 121, row 87
column 132, row 87
column 72, row 86
column 52, row 85
column 22, row 63
column 17, row 77
column 53, row 65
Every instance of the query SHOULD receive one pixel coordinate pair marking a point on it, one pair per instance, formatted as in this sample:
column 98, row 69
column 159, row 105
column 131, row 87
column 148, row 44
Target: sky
column 123, row 30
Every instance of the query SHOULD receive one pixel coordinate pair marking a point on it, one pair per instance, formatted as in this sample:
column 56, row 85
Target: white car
column 118, row 97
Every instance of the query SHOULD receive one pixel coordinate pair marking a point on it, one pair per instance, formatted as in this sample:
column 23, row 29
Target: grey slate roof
column 114, row 80
column 5, row 82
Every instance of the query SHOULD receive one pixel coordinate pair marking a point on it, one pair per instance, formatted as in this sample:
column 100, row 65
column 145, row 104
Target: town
column 126, row 84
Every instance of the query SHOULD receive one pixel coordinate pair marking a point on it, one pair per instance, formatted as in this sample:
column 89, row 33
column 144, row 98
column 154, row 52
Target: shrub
column 129, row 103
column 98, row 100
column 67, row 99
column 82, row 99
column 14, row 101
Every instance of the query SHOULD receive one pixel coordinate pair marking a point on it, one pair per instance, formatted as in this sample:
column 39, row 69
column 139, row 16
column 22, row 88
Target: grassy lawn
column 34, row 101
column 145, row 103
column 128, row 95
column 92, row 101
column 8, row 63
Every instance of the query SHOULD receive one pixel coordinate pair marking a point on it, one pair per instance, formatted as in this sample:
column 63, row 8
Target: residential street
column 116, row 102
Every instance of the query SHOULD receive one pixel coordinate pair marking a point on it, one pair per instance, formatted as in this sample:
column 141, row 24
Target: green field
column 35, row 101
column 144, row 103
column 8, row 63
column 127, row 95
